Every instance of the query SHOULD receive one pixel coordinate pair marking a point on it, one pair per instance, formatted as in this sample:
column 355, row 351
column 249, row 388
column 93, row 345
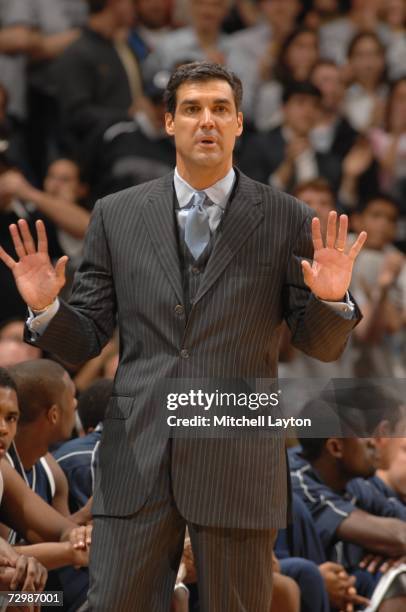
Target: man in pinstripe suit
column 217, row 315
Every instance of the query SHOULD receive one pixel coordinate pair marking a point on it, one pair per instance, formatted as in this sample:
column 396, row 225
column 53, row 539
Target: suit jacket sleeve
column 80, row 329
column 317, row 329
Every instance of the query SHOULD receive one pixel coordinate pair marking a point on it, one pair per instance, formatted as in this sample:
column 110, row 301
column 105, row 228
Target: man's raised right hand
column 37, row 280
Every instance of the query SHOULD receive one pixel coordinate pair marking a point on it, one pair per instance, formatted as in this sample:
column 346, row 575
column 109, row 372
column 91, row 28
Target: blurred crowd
column 81, row 116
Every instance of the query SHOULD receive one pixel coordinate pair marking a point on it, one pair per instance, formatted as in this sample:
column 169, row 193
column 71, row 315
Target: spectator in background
column 78, row 457
column 379, row 286
column 336, row 35
column 12, row 142
column 296, row 58
column 136, row 151
column 63, row 188
column 202, row 40
column 332, row 133
column 390, row 478
column 284, row 156
column 389, row 148
column 17, row 40
column 153, row 20
column 12, row 352
column 321, row 12
column 253, row 51
column 365, row 97
column 97, row 77
column 394, row 15
column 12, row 209
column 13, row 329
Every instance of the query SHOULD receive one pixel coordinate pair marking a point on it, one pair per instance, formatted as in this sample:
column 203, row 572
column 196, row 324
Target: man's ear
column 169, row 124
column 240, row 123
column 52, row 414
column 334, row 447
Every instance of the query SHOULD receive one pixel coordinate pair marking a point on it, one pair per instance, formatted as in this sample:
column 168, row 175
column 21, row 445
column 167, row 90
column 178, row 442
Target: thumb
column 308, row 273
column 60, row 269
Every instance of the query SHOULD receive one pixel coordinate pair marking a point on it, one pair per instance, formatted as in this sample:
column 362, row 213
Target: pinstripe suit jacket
column 252, row 281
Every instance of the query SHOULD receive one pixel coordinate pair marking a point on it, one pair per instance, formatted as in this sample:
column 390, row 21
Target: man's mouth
column 207, row 141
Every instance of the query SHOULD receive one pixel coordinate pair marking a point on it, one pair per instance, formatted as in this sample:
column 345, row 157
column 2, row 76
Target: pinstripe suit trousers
column 135, row 559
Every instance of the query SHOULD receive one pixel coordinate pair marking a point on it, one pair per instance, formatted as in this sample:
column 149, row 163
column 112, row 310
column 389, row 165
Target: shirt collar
column 218, row 193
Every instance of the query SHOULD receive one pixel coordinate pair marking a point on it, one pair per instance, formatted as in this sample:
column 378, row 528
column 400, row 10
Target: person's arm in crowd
column 383, row 535
column 18, row 571
column 18, row 39
column 355, row 163
column 68, row 216
column 54, row 554
column 282, row 176
column 60, row 499
column 380, row 315
column 28, row 514
column 50, row 46
column 93, row 368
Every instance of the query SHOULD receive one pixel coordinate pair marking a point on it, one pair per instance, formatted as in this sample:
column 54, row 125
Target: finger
column 44, row 578
column 331, row 229
column 342, row 233
column 357, row 246
column 31, row 574
column 316, row 234
column 41, row 237
column 18, row 245
column 60, row 269
column 19, row 572
column 308, row 273
column 5, row 258
column 26, row 235
column 358, row 600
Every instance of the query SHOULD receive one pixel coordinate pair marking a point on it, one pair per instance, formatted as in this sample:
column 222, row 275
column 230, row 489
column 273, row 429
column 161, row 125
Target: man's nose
column 3, row 427
column 207, row 117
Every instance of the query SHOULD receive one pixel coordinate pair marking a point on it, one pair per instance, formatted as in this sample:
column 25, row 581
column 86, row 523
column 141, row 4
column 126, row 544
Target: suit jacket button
column 184, row 354
column 179, row 310
column 195, row 270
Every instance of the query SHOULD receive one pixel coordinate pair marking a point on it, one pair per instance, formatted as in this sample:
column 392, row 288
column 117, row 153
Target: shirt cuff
column 346, row 309
column 37, row 322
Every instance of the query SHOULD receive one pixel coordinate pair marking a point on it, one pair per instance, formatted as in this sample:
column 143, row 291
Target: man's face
column 328, row 80
column 67, row 408
column 321, row 202
column 379, row 220
column 281, row 13
column 9, row 414
column 300, row 113
column 205, row 125
column 124, row 12
column 367, row 59
column 63, row 180
column 359, row 457
column 208, row 15
column 152, row 13
column 396, row 472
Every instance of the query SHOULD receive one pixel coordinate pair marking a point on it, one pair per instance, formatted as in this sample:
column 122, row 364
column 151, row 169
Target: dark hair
column 6, row 381
column 317, row 184
column 323, row 62
column 360, row 36
column 386, row 197
column 282, row 72
column 304, row 88
column 195, row 72
column 93, row 402
column 96, row 6
column 312, row 447
column 39, row 385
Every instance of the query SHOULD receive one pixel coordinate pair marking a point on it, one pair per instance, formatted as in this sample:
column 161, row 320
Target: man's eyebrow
column 198, row 101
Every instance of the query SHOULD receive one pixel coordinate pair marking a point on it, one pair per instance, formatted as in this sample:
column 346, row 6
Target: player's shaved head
column 40, row 384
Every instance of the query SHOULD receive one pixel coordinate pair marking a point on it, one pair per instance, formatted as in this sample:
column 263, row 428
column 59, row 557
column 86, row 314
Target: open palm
column 37, row 280
column 329, row 276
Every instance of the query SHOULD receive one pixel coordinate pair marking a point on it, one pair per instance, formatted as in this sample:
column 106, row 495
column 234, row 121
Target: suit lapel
column 159, row 217
column 242, row 216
